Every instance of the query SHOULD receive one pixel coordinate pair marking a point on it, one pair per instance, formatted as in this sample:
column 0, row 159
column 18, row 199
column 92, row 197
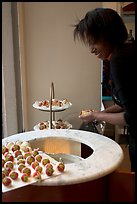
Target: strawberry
column 3, row 175
column 6, row 171
column 27, row 154
column 19, row 157
column 17, row 153
column 38, row 158
column 8, row 165
column 27, row 171
column 30, row 159
column 3, row 162
column 9, row 157
column 13, row 175
column 37, row 175
column 27, row 149
column 40, row 104
column 35, row 152
column 24, row 177
column 21, row 161
column 45, row 161
column 4, row 149
column 60, row 166
column 6, row 181
column 15, row 147
column 49, row 165
column 39, row 168
column 34, row 164
column 46, row 103
column 6, row 153
column 21, row 166
column 49, row 171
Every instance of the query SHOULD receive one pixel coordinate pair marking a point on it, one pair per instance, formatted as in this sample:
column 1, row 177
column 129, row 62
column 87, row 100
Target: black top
column 123, row 78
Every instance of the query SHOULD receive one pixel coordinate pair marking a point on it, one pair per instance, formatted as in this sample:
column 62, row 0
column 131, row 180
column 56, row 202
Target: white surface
column 107, row 155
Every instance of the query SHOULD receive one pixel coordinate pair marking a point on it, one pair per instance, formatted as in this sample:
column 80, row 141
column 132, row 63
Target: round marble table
column 106, row 157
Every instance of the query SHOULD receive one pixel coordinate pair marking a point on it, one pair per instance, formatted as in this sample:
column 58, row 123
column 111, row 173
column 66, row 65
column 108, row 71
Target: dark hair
column 101, row 24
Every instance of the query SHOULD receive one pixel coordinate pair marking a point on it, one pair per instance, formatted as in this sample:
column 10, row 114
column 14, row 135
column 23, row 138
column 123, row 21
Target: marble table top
column 106, row 157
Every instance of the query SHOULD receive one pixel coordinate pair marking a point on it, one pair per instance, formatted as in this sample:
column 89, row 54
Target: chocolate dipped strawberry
column 27, row 171
column 3, row 162
column 27, row 149
column 6, row 181
column 49, row 171
column 30, row 159
column 35, row 152
column 14, row 175
column 19, row 157
column 15, row 147
column 21, row 166
column 24, row 177
column 6, row 171
column 34, row 164
column 9, row 157
column 6, row 153
column 39, row 168
column 4, row 149
column 3, row 175
column 36, row 175
column 21, row 161
column 17, row 153
column 8, row 165
column 45, row 161
column 27, row 154
column 60, row 166
column 49, row 165
column 38, row 158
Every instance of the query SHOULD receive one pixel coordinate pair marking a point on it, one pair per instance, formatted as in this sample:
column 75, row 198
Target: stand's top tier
column 57, row 105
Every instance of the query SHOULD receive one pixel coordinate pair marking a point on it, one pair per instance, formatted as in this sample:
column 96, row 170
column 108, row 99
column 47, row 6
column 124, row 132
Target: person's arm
column 113, row 109
column 114, row 118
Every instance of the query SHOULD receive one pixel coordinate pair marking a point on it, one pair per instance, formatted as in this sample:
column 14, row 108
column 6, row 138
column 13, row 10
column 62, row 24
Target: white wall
column 53, row 56
column 9, row 108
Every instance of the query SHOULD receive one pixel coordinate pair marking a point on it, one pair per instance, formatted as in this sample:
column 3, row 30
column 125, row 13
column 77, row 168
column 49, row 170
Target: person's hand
column 87, row 116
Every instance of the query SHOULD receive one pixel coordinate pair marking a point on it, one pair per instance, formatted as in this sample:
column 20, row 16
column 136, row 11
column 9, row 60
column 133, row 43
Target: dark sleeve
column 123, row 75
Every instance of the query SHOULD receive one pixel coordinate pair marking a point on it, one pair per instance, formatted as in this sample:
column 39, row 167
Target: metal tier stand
column 50, row 109
column 52, row 96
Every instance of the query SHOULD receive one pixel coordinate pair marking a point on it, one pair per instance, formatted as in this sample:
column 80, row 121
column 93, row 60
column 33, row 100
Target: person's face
column 101, row 49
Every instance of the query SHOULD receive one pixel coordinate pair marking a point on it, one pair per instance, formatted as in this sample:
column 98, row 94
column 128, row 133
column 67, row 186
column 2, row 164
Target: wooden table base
column 93, row 191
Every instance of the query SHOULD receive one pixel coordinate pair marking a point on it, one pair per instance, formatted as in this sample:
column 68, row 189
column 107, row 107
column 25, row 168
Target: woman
column 104, row 32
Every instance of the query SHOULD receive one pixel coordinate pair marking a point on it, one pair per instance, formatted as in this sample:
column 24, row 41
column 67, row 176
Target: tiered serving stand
column 50, row 109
